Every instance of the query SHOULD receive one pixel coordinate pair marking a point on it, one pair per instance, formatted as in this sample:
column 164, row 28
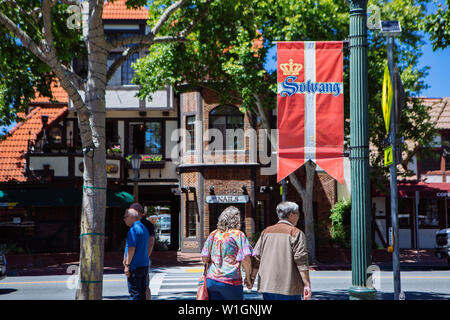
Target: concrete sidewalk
column 327, row 259
column 340, row 259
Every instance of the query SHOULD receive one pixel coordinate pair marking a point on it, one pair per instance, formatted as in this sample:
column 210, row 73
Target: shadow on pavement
column 7, row 291
column 414, row 295
column 123, row 297
column 409, row 295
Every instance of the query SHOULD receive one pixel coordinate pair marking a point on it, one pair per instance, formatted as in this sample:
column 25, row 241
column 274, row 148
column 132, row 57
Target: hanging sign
column 227, row 199
column 310, row 107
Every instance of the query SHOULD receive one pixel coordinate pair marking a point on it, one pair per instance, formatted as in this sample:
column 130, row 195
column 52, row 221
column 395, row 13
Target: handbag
column 202, row 291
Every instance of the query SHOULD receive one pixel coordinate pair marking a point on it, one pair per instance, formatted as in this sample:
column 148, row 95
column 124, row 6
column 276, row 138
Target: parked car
column 443, row 244
column 2, row 266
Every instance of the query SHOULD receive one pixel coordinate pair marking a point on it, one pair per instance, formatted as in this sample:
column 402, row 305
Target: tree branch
column 27, row 42
column 47, row 31
column 165, row 16
column 194, row 23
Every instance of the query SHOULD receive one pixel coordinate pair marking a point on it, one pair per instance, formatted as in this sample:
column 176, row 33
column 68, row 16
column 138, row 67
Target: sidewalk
column 58, row 263
column 340, row 259
column 327, row 259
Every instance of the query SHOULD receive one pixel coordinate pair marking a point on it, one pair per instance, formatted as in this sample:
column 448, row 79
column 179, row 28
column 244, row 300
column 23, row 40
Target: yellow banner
column 386, row 99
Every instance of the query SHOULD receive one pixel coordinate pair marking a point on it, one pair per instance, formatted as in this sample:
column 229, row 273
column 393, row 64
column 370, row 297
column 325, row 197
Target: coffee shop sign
column 227, row 199
column 443, row 194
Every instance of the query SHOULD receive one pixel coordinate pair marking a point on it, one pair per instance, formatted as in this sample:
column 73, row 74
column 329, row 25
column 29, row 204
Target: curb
column 383, row 267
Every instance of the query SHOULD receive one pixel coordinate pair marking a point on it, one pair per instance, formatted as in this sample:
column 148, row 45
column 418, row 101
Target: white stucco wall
column 60, row 165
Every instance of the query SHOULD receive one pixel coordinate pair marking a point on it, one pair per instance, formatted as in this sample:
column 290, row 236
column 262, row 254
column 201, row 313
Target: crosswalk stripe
column 156, row 282
column 173, row 285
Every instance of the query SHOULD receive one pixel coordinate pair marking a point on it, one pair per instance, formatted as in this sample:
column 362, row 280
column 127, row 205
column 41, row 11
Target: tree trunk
column 94, row 174
column 308, row 210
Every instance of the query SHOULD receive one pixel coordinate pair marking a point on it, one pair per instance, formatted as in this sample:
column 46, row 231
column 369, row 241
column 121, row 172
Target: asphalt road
column 180, row 284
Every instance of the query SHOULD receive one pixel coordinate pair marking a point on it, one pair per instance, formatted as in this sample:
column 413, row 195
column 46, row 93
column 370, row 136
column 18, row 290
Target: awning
column 58, row 197
column 426, row 190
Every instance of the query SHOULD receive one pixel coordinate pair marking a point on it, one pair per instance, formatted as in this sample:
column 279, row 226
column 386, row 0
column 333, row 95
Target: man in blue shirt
column 151, row 242
column 136, row 255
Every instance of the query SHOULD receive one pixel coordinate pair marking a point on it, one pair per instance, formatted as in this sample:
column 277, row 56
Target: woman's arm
column 247, row 264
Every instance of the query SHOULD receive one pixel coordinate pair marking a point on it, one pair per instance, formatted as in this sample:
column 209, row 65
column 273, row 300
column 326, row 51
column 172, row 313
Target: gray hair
column 133, row 213
column 284, row 208
column 230, row 218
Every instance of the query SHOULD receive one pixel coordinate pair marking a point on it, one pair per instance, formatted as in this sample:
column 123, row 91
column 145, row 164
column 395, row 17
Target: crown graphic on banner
column 291, row 68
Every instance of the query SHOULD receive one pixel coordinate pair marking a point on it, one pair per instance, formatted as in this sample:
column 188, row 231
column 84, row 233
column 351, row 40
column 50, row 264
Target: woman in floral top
column 229, row 247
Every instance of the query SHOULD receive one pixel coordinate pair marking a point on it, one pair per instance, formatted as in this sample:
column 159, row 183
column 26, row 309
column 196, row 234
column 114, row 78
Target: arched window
column 230, row 122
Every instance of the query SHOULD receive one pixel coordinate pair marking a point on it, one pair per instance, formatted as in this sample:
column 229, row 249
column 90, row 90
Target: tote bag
column 202, row 291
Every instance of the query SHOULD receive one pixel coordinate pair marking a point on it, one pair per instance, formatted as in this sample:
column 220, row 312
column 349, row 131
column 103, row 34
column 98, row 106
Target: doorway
column 164, row 215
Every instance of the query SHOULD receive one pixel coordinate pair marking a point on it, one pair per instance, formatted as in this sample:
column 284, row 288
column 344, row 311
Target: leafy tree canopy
column 437, row 24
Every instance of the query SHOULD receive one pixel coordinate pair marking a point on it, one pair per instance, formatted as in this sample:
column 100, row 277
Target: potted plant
column 114, row 150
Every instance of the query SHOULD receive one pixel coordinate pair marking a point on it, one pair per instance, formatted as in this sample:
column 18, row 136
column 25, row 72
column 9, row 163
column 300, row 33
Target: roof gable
column 14, row 147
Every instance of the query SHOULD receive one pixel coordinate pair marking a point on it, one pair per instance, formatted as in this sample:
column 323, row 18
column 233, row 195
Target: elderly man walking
column 136, row 255
column 281, row 258
column 151, row 241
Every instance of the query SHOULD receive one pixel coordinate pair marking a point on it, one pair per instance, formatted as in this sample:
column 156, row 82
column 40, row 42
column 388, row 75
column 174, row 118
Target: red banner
column 310, row 107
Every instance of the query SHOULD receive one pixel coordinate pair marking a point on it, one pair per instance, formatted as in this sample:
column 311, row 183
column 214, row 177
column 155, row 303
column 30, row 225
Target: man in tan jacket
column 281, row 259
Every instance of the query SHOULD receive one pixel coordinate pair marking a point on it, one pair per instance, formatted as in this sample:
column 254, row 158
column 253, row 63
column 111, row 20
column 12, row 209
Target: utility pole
column 392, row 29
column 359, row 153
column 393, row 171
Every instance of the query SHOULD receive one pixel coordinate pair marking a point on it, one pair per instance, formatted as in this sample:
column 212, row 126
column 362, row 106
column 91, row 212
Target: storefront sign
column 227, row 199
column 443, row 194
column 110, row 167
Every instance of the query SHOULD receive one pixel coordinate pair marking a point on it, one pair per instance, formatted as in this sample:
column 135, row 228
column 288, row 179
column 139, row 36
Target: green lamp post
column 359, row 153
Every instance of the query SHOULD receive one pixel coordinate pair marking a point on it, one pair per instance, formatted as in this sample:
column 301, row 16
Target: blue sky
column 439, row 63
column 439, row 72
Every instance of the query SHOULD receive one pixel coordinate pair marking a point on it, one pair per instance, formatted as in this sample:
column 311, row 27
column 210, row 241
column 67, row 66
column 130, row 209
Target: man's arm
column 151, row 244
column 130, row 255
column 301, row 260
column 307, row 284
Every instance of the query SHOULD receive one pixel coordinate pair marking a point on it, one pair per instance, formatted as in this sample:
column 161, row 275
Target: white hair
column 284, row 208
column 133, row 213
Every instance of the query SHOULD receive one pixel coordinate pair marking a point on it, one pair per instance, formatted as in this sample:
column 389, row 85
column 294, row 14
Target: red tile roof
column 14, row 147
column 118, row 10
column 59, row 95
column 440, row 111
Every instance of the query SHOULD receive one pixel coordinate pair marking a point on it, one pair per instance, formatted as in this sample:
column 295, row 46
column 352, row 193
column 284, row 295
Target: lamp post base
column 362, row 293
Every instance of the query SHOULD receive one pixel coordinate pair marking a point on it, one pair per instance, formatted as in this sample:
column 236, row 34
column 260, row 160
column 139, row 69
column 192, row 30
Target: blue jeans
column 223, row 291
column 276, row 296
column 137, row 283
